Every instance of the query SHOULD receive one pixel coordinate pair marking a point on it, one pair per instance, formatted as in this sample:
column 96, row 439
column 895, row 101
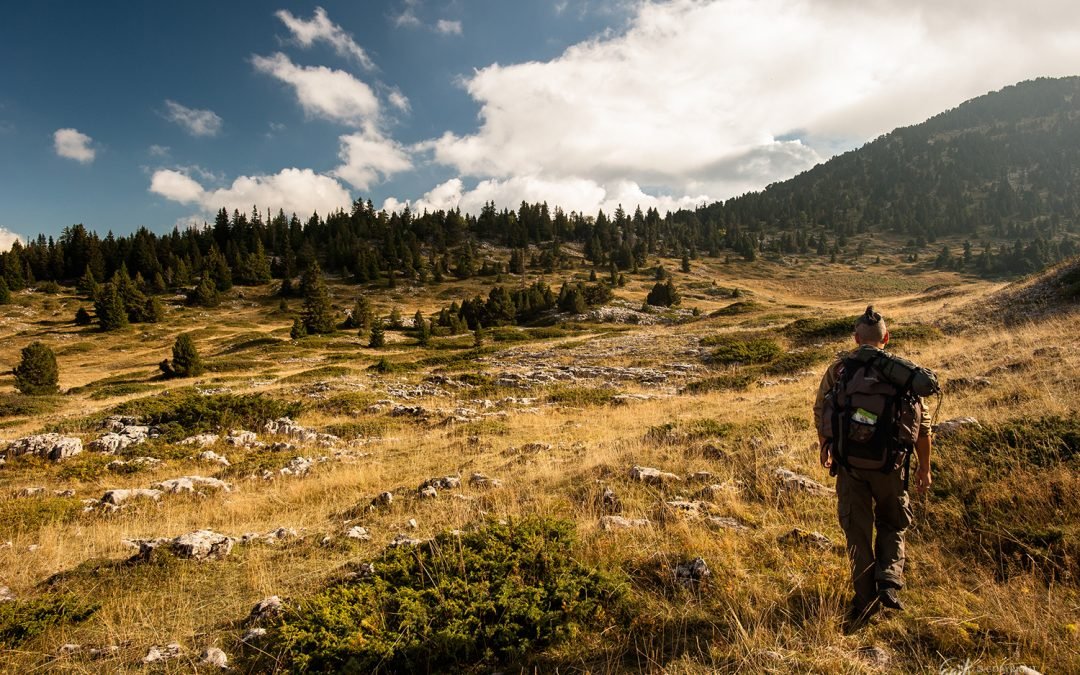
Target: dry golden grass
column 769, row 607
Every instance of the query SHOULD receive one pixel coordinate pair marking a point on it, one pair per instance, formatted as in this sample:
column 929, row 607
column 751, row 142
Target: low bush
column 737, row 308
column 814, row 329
column 22, row 405
column 494, row 596
column 21, row 620
column 731, row 349
column 795, row 362
column 913, row 334
column 184, row 412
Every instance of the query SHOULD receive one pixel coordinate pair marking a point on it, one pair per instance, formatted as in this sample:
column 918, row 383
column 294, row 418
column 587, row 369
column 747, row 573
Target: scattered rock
column 417, row 411
column 950, row 427
column 297, row 466
column 694, row 508
column 412, row 525
column 97, row 653
column 444, row 483
column 692, row 572
column 51, row 446
column 211, row 456
column 796, row 482
column 874, row 655
column 6, row 595
column 241, row 438
column 253, row 635
column 358, row 533
column 609, row 523
column 30, row 492
column 479, row 480
column 267, row 608
column 804, row 538
column 724, row 523
column 167, row 653
column 121, row 439
column 652, row 476
column 120, row 497
column 428, row 492
column 201, row 440
column 189, row 484
column 383, row 499
column 64, row 493
column 123, row 465
column 213, row 657
column 699, row 477
column 610, row 501
column 286, row 427
column 404, row 540
column 271, row 537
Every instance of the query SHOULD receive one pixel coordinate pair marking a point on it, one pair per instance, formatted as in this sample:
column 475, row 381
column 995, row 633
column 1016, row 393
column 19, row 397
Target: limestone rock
column 267, row 608
column 692, row 508
column 212, row 657
column 428, row 492
column 211, row 456
column 358, row 533
column 804, row 538
column 51, row 446
column 201, row 440
column 98, row 653
column 253, row 635
column 297, row 466
column 699, row 477
column 796, row 482
column 652, row 476
column 286, row 427
column 479, row 480
column 30, row 492
column 952, row 426
column 128, row 465
column 692, row 571
column 189, row 484
column 383, row 499
column 202, row 545
column 609, row 523
column 157, row 654
column 120, row 497
column 121, row 438
column 404, row 540
column 444, row 483
column 241, row 438
column 6, row 595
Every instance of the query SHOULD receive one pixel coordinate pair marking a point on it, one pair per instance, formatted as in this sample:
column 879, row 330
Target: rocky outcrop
column 284, row 426
column 50, row 446
column 358, row 533
column 242, row 439
column 190, row 484
column 268, row 608
column 199, row 545
column 482, row 481
column 211, row 456
column 444, row 483
column 652, row 476
column 796, row 482
column 201, row 440
column 954, row 425
column 692, row 572
column 157, row 654
column 121, row 497
column 212, row 657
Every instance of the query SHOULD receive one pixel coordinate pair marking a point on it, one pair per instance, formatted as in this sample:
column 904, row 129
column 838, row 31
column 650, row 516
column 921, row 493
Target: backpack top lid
column 898, row 371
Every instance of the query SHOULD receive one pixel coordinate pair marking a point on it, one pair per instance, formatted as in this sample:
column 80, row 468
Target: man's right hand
column 922, row 480
column 826, row 455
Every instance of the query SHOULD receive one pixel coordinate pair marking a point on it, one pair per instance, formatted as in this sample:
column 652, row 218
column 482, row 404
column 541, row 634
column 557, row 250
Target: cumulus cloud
column 447, row 27
column 7, row 238
column 194, row 121
column 407, row 16
column 320, row 28
column 300, row 191
column 323, row 92
column 367, row 156
column 398, row 100
column 572, row 194
column 72, row 144
column 701, row 98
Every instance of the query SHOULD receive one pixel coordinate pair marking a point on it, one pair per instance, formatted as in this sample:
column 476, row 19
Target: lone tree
column 664, row 294
column 110, row 310
column 378, row 334
column 185, row 359
column 37, row 373
column 82, row 317
column 318, row 313
column 424, row 335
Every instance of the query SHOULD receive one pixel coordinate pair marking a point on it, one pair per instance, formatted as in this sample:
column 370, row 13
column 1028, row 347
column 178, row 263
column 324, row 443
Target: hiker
column 870, row 415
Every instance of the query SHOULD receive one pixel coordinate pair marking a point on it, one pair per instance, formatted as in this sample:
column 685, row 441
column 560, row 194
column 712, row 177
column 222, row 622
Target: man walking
column 868, row 422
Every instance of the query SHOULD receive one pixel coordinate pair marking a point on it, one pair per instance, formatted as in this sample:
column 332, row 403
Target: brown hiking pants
column 865, row 500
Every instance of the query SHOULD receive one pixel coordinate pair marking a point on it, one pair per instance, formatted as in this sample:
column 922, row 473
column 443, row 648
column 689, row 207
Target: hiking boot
column 890, row 597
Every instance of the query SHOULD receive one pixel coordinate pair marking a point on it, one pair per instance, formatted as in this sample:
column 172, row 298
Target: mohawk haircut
column 870, row 327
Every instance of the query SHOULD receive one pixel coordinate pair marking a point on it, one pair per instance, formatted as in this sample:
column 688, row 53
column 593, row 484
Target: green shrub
column 185, row 412
column 736, row 308
column 913, row 333
column 734, row 382
column 496, row 595
column 821, row 329
column 794, row 362
column 1041, row 442
column 37, row 372
column 742, row 349
column 21, row 405
column 384, row 366
column 21, row 620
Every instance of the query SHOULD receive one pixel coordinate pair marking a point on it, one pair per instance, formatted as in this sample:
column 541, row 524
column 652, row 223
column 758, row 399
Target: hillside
column 462, row 507
column 1003, row 166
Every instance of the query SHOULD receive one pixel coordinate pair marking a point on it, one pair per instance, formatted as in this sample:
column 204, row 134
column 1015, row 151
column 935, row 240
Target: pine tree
column 88, row 285
column 37, row 372
column 185, row 357
column 395, row 319
column 205, row 294
column 425, row 333
column 82, row 317
column 418, row 320
column 154, row 311
column 110, row 310
column 298, row 330
column 317, row 313
column 5, row 292
column 378, row 334
column 478, row 335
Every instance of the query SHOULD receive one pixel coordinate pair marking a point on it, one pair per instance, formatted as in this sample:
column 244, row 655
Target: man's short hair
column 870, row 327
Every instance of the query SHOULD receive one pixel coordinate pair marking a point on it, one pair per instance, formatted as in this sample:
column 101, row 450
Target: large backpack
column 872, row 413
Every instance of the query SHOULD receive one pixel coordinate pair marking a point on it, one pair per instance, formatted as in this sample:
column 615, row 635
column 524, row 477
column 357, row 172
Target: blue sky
column 124, row 114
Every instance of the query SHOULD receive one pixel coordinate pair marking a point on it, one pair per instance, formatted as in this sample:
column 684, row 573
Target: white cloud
column 194, row 121
column 407, row 17
column 398, row 100
column 156, row 150
column 306, row 33
column 447, row 27
column 300, row 191
column 702, row 98
column 7, row 238
column 71, row 144
column 366, row 156
column 572, row 194
column 323, row 92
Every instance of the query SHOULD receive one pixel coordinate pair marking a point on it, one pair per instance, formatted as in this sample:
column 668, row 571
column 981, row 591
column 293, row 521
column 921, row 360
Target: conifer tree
column 395, row 319
column 205, row 294
column 5, row 292
column 425, row 333
column 82, row 317
column 418, row 320
column 298, row 330
column 88, row 285
column 317, row 313
column 478, row 335
column 110, row 310
column 37, row 373
column 378, row 334
column 185, row 358
column 153, row 311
